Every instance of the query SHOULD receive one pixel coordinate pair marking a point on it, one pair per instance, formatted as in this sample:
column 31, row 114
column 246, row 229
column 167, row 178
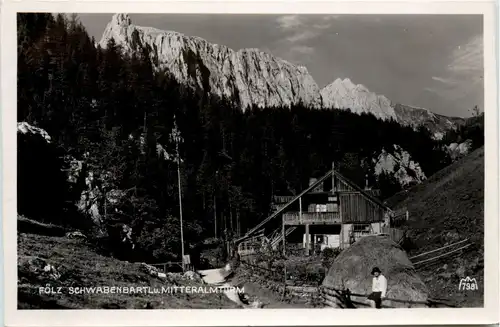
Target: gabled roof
column 361, row 190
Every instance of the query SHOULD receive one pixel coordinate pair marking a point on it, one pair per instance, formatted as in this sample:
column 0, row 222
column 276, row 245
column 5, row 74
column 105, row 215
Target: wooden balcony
column 313, row 218
column 283, row 199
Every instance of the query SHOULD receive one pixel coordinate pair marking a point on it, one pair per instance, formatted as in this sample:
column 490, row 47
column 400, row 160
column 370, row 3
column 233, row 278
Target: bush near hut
column 352, row 270
column 302, row 270
column 328, row 255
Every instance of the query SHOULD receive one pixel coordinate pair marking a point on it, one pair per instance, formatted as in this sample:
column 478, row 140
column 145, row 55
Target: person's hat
column 375, row 269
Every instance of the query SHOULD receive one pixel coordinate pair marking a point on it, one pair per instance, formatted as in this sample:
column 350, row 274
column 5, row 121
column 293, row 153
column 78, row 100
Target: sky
column 429, row 61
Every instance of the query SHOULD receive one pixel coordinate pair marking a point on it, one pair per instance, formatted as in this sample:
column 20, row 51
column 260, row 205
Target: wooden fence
column 342, row 299
column 325, row 296
column 164, row 267
column 337, row 298
column 444, row 252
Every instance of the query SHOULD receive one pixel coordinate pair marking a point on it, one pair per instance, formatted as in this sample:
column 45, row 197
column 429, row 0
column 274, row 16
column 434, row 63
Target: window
column 321, row 208
column 361, row 228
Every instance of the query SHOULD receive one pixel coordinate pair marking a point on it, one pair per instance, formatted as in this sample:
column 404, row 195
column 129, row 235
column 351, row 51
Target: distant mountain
column 344, row 94
column 252, row 77
column 435, row 123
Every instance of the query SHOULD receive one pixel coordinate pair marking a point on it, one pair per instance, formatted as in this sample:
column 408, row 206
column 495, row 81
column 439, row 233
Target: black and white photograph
column 251, row 161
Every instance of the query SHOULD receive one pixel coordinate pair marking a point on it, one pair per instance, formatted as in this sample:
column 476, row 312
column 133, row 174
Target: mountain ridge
column 248, row 76
column 252, row 77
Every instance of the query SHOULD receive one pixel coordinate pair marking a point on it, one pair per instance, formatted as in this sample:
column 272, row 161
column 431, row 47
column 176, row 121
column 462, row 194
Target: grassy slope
column 80, row 266
column 447, row 208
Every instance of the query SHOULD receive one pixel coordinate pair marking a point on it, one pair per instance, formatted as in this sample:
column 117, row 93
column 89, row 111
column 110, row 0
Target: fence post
column 283, row 235
column 284, row 282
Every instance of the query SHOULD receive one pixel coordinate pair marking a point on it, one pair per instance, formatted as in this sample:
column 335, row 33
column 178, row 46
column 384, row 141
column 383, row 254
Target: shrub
column 328, row 255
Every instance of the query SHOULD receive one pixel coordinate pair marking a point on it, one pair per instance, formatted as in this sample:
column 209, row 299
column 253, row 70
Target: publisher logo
column 468, row 284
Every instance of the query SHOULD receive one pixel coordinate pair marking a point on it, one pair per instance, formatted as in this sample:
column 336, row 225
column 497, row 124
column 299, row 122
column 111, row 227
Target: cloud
column 289, row 22
column 463, row 79
column 302, row 49
column 302, row 36
column 443, row 80
column 468, row 59
column 322, row 26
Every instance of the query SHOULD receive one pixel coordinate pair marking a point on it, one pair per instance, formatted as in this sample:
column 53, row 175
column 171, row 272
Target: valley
column 149, row 158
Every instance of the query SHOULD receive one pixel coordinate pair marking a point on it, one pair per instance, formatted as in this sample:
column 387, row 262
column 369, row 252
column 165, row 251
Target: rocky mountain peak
column 252, row 77
column 345, row 94
column 248, row 77
column 121, row 19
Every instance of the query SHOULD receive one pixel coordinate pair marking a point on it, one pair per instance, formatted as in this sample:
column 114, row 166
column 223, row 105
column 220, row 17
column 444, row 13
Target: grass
column 271, row 299
column 79, row 266
column 447, row 208
column 352, row 270
column 25, row 225
column 303, row 270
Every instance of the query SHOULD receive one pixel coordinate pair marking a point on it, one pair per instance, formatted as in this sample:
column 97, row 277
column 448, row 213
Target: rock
column 460, row 272
column 344, row 94
column 127, row 235
column 457, row 151
column 25, row 128
column 398, row 163
column 191, row 275
column 76, row 235
column 256, row 304
column 153, row 271
column 36, row 264
column 174, row 276
column 52, row 272
column 452, row 237
column 248, row 76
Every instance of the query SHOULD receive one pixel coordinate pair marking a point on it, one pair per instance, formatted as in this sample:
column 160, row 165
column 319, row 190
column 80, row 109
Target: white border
column 13, row 317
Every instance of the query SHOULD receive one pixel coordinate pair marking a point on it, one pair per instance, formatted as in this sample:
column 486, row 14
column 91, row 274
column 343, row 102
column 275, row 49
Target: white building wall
column 377, row 228
column 346, row 228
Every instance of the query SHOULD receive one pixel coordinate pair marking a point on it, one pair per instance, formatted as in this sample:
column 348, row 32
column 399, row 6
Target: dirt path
column 268, row 298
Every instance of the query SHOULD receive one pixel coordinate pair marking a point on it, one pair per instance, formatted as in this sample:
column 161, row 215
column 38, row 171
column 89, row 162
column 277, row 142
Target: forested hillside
column 116, row 115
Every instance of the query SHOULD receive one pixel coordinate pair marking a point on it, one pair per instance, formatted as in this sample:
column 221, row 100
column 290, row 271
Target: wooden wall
column 356, row 208
column 340, row 186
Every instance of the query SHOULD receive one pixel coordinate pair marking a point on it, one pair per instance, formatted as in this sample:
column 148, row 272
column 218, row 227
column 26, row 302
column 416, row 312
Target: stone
column 460, row 272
